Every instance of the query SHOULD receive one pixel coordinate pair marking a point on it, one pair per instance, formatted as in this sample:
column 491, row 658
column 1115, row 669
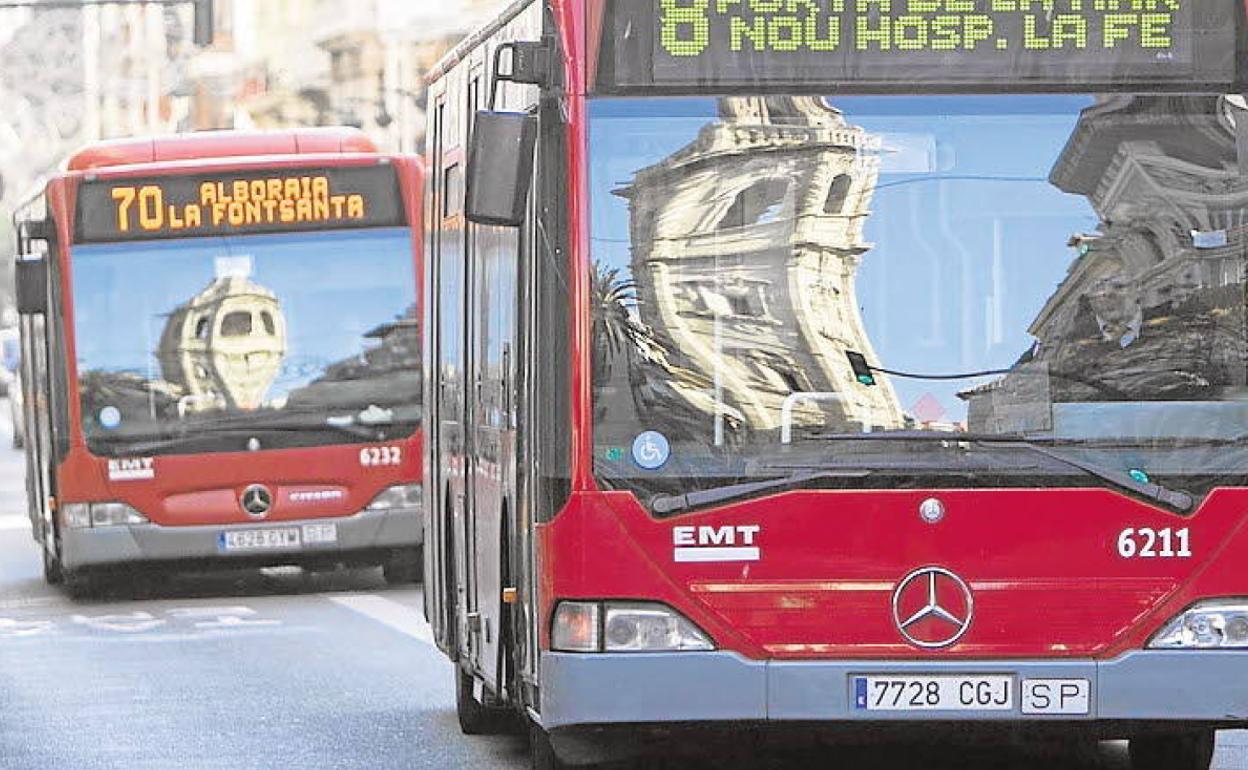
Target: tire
column 1177, row 751
column 542, row 754
column 476, row 718
column 80, row 584
column 404, row 567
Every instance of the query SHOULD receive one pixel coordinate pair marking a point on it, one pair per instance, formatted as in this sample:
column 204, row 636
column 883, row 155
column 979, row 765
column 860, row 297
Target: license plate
column 258, row 539
column 934, row 693
column 318, row 534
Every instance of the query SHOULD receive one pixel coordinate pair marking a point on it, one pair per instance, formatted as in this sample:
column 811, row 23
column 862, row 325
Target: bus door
column 446, row 541
column 494, row 341
column 38, row 398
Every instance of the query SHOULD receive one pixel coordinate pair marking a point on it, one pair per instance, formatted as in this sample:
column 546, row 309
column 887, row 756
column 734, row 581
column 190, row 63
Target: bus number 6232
column 371, row 456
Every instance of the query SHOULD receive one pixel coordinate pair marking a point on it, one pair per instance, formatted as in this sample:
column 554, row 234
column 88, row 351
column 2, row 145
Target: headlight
column 650, row 627
column 76, row 515
column 400, row 496
column 624, row 627
column 1212, row 625
column 576, row 627
column 83, row 515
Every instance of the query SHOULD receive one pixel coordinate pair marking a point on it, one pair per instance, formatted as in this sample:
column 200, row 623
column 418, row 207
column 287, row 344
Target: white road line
column 398, row 616
column 13, row 523
column 20, row 603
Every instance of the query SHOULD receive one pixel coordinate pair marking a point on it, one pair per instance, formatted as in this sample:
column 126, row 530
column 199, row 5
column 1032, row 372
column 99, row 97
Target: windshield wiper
column 1177, row 499
column 667, row 504
column 1174, row 498
column 664, row 504
column 972, row 438
column 208, row 432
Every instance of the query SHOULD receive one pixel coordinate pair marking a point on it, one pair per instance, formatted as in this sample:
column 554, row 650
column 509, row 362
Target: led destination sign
column 679, row 42
column 225, row 204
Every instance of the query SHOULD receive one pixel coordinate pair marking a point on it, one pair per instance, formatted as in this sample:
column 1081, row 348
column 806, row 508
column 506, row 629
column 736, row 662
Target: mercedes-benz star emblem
column 933, row 607
column 932, row 510
column 256, row 500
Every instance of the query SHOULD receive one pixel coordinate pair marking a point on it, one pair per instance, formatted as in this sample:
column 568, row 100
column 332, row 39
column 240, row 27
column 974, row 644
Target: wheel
column 81, row 584
column 542, row 754
column 404, row 567
column 1185, row 751
column 476, row 718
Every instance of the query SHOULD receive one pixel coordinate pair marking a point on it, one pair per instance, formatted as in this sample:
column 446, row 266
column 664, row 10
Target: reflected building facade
column 225, row 346
column 745, row 247
column 385, row 373
column 1162, row 280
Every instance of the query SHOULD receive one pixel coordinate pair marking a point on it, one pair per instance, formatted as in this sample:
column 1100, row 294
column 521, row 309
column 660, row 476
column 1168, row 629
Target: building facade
column 1162, row 280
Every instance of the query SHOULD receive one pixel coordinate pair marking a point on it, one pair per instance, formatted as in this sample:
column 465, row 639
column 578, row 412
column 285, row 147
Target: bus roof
column 220, row 144
column 474, row 39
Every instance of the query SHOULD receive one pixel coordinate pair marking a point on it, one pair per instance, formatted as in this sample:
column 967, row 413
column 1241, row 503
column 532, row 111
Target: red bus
column 221, row 355
column 844, row 365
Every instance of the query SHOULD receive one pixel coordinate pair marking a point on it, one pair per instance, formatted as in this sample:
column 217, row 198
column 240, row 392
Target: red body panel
column 199, row 489
column 204, row 489
column 1043, row 565
column 221, row 144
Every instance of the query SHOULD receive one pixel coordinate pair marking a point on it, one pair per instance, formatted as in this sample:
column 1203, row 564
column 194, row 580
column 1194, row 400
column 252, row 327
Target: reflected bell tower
column 224, row 347
column 745, row 248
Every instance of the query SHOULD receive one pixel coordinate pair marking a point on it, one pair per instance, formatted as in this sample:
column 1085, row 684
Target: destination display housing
column 233, row 203
column 949, row 44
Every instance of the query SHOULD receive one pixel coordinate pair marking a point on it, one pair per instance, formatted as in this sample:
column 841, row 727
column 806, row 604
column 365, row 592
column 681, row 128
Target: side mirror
column 500, row 167
column 30, row 279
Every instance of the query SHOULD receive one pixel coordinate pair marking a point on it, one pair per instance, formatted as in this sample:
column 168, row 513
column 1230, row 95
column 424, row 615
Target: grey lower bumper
column 365, row 531
column 585, row 690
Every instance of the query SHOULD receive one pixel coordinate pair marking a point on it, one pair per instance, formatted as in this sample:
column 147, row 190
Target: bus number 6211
column 1146, row 543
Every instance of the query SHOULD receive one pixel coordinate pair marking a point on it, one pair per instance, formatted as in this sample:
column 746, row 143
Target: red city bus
column 841, row 365
column 221, row 355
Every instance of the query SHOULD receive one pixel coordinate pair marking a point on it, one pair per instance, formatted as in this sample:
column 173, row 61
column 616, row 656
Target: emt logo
column 131, row 469
column 717, row 544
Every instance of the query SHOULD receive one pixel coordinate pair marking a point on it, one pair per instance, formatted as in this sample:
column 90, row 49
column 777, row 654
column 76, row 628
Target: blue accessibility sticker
column 110, row 417
column 651, row 450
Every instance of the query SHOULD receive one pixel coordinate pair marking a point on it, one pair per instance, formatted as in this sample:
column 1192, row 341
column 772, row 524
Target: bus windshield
column 777, row 278
column 227, row 344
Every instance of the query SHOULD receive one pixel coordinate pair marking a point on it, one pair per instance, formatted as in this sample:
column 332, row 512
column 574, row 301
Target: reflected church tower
column 224, row 347
column 748, row 240
column 1162, row 280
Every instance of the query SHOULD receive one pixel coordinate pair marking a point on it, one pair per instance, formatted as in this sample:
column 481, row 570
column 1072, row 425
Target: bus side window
column 453, row 190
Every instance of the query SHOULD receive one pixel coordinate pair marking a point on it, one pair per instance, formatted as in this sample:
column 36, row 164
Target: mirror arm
column 40, row 230
column 33, row 230
column 530, row 65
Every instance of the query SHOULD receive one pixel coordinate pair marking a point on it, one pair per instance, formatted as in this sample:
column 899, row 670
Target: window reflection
column 1056, row 266
column 181, row 337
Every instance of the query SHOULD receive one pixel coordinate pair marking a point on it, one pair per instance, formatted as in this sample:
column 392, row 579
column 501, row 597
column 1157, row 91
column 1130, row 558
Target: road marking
column 14, row 523
column 388, row 612
column 26, row 601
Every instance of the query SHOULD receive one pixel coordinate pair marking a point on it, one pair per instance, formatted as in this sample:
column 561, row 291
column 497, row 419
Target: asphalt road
column 284, row 671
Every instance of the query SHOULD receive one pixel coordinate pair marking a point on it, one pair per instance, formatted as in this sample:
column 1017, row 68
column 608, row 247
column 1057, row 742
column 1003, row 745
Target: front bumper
column 718, row 687
column 365, row 531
